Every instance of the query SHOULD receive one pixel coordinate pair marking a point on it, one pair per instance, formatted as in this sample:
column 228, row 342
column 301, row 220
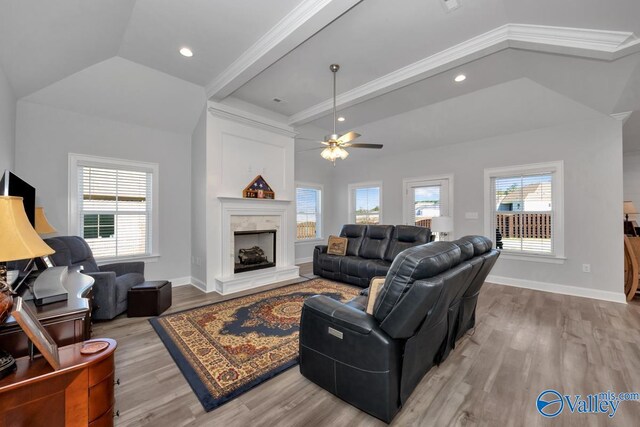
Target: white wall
column 198, row 200
column 7, row 123
column 309, row 171
column 44, row 137
column 592, row 154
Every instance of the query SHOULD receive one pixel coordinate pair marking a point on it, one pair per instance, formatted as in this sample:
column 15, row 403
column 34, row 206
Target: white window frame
column 320, row 220
column 352, row 188
column 424, row 181
column 556, row 169
column 78, row 160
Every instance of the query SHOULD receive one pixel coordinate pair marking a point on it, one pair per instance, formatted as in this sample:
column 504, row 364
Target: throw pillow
column 337, row 245
column 374, row 290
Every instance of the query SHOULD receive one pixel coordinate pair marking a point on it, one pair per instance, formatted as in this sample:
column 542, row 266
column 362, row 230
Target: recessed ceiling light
column 185, row 51
column 341, row 119
column 460, row 78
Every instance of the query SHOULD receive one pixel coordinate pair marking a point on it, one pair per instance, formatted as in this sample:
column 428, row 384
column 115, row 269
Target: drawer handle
column 117, row 382
column 116, row 414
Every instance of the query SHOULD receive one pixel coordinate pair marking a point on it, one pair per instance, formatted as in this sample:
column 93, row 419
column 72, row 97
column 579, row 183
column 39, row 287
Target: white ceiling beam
column 309, row 17
column 597, row 44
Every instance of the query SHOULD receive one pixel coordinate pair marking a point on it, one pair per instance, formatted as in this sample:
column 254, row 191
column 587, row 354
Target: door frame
column 408, row 182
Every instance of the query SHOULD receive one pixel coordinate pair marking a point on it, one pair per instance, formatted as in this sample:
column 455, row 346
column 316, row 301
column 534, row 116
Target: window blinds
column 308, row 213
column 524, row 211
column 115, row 211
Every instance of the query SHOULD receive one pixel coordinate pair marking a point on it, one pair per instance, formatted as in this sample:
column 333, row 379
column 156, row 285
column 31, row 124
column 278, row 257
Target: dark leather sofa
column 370, row 251
column 427, row 303
column 112, row 281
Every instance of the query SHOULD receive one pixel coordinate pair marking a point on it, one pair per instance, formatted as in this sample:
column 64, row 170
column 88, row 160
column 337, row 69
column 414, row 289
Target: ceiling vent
column 450, row 5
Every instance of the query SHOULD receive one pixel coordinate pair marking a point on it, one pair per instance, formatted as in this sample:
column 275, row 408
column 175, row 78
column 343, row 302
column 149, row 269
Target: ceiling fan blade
column 377, row 146
column 347, row 137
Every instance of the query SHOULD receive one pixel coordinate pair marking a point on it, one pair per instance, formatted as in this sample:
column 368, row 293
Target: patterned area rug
column 227, row 348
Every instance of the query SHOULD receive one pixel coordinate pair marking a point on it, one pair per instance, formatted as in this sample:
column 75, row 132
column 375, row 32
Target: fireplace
column 254, row 250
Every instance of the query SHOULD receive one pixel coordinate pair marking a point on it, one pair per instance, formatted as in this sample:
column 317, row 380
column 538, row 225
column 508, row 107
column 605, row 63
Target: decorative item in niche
column 258, row 189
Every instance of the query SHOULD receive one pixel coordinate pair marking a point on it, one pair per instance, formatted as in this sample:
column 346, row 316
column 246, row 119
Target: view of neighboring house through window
column 426, row 199
column 524, row 211
column 308, row 216
column 115, row 210
column 365, row 204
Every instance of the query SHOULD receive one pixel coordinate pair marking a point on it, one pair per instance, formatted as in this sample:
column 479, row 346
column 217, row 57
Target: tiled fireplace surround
column 249, row 215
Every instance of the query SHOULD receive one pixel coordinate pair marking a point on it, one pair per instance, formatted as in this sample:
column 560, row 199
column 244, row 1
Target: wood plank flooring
column 524, row 342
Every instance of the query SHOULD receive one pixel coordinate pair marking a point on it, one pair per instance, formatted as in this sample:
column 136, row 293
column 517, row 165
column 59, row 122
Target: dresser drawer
column 98, row 372
column 101, row 398
column 106, row 420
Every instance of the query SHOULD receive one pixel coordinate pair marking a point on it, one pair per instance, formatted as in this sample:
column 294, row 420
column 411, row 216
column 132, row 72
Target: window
column 525, row 209
column 112, row 206
column 308, row 212
column 365, row 203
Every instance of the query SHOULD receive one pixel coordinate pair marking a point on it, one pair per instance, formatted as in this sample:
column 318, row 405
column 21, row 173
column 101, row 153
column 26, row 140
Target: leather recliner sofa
column 370, row 251
column 427, row 302
column 112, row 281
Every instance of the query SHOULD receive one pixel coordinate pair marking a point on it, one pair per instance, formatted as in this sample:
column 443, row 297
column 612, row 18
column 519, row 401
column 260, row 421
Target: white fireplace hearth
column 240, row 216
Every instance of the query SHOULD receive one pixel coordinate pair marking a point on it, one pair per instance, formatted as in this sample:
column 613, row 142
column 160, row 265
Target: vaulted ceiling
column 397, row 57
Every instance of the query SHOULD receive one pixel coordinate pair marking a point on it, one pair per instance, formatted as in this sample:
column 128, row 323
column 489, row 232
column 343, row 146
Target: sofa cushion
column 480, row 244
column 416, row 263
column 355, row 234
column 405, row 237
column 376, row 241
column 466, row 249
column 72, row 251
column 329, row 262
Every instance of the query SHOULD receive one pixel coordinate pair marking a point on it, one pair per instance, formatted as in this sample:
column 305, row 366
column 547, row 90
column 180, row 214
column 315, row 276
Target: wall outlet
column 586, row 268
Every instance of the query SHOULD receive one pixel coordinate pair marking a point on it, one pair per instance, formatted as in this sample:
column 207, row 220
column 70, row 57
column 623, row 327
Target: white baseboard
column 181, row 281
column 559, row 289
column 199, row 284
column 304, row 260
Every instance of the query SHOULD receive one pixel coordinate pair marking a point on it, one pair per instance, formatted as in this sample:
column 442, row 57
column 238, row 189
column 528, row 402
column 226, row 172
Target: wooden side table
column 79, row 394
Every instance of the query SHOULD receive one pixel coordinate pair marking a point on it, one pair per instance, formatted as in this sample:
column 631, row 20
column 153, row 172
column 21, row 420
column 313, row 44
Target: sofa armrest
column 104, row 294
column 321, row 249
column 341, row 314
column 121, row 268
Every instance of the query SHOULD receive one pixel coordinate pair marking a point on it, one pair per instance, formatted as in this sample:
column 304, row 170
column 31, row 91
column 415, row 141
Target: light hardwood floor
column 525, row 342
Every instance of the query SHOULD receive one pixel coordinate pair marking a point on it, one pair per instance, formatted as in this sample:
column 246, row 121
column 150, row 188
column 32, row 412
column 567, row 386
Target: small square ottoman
column 149, row 298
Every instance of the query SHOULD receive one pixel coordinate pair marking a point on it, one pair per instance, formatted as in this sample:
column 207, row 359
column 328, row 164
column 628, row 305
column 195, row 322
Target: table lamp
column 18, row 240
column 42, row 224
column 442, row 225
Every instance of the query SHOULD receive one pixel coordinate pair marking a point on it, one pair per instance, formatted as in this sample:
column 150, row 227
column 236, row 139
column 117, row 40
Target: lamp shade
column 42, row 225
column 442, row 224
column 18, row 239
column 629, row 208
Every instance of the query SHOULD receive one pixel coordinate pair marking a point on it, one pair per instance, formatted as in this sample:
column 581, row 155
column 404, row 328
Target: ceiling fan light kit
column 335, row 143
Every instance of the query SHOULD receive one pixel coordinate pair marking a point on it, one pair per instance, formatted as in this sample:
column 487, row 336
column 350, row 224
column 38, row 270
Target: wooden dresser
column 79, row 394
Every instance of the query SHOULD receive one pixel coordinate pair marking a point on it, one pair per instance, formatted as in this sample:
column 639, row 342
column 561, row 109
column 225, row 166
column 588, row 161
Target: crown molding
column 597, row 44
column 309, row 17
column 623, row 117
column 254, row 120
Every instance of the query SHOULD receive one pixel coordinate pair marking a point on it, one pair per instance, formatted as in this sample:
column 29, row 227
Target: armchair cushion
column 122, row 268
column 355, row 234
column 126, row 282
column 375, row 242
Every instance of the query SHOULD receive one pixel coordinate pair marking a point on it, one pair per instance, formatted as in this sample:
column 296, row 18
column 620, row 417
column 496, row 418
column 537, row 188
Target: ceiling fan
column 335, row 143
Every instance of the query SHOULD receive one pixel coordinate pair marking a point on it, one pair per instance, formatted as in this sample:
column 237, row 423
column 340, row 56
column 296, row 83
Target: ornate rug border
column 201, row 391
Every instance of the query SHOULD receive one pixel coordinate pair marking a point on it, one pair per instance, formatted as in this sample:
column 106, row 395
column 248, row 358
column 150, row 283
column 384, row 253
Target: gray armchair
column 112, row 281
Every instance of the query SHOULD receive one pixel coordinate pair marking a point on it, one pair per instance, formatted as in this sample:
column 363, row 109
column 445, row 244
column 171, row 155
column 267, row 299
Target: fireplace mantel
column 278, row 212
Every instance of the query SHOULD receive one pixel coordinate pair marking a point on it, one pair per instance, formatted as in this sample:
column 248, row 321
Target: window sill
column 315, row 240
column 549, row 259
column 145, row 258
